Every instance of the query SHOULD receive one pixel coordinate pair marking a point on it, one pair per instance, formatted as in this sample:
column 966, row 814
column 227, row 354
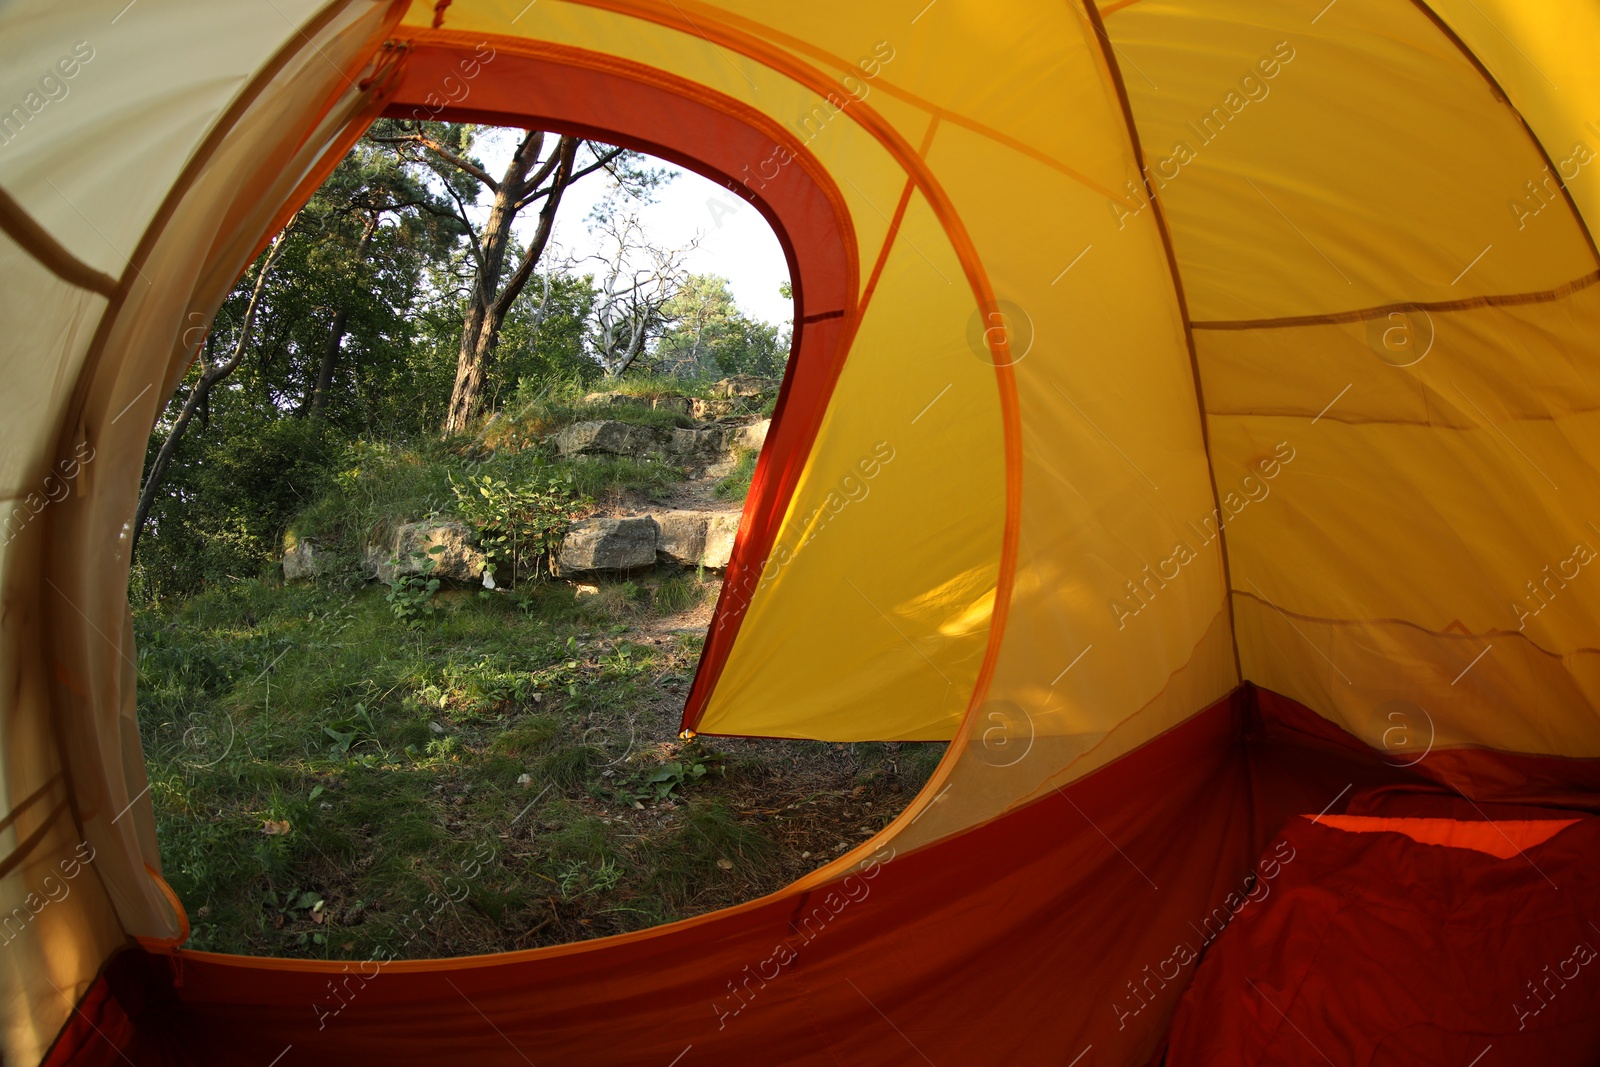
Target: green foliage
column 376, row 485
column 695, row 762
column 517, row 524
column 411, row 595
column 711, row 337
column 230, row 497
column 593, row 476
column 711, row 835
column 350, row 730
column 387, row 758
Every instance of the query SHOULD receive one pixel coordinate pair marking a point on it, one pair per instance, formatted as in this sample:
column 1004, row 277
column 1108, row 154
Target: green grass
column 736, row 484
column 593, row 476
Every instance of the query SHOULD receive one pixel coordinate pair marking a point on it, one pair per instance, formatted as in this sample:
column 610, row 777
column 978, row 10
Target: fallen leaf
column 725, row 864
column 275, row 827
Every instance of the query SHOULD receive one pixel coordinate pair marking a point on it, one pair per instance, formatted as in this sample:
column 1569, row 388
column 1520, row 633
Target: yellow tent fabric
column 1210, row 344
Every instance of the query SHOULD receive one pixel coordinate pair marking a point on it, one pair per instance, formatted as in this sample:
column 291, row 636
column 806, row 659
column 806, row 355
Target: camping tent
column 1192, row 415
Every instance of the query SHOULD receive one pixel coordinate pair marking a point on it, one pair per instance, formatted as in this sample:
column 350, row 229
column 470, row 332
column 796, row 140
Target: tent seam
column 1471, row 303
column 1505, row 98
column 1108, row 54
column 1490, row 633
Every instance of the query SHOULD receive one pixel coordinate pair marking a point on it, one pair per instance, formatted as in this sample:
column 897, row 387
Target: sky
column 735, row 241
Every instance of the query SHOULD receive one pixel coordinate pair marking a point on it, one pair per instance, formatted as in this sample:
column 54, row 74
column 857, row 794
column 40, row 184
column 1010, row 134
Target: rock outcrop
column 409, row 552
column 687, row 538
column 701, row 447
column 593, row 545
column 721, row 528
column 683, row 536
column 303, row 560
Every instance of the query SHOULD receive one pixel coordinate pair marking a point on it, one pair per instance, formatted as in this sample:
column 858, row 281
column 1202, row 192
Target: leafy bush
column 519, row 524
column 230, row 497
column 411, row 595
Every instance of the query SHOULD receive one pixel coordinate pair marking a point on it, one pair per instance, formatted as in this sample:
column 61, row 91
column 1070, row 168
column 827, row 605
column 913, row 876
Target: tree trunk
column 480, row 333
column 336, row 332
column 201, row 393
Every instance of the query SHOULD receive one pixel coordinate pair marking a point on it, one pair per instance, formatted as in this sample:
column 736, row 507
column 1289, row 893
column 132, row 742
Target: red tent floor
column 1022, row 941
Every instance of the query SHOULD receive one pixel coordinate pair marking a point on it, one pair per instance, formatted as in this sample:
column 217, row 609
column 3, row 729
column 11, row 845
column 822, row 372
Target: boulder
column 413, row 547
column 721, row 529
column 751, row 437
column 303, row 560
column 609, row 438
column 376, row 564
column 701, row 445
column 724, row 407
column 677, row 404
column 745, row 385
column 683, row 536
column 608, row 545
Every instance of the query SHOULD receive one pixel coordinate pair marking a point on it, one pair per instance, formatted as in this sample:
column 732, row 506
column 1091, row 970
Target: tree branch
column 460, row 163
column 585, row 172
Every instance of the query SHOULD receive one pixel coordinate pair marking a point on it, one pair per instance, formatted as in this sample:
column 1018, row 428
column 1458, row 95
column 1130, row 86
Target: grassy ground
column 504, row 773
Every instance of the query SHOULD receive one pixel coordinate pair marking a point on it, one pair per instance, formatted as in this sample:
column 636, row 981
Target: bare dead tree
column 636, row 281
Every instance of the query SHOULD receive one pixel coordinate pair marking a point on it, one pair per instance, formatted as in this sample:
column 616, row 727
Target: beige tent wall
column 231, row 146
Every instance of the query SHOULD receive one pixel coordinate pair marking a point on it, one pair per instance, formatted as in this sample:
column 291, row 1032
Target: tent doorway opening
column 413, row 665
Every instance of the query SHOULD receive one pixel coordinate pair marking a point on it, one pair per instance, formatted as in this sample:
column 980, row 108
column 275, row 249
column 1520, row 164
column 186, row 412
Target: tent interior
column 1239, row 369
